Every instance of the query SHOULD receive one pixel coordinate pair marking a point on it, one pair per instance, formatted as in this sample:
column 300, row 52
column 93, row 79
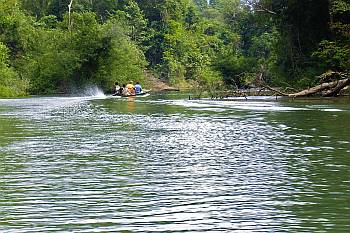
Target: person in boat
column 138, row 88
column 131, row 88
column 125, row 91
column 121, row 89
column 117, row 89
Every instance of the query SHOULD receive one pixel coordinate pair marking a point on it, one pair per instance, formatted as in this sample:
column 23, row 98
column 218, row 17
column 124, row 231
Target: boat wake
column 93, row 91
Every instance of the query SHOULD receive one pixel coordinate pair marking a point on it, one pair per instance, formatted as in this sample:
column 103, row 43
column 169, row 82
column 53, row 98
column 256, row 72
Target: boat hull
column 143, row 94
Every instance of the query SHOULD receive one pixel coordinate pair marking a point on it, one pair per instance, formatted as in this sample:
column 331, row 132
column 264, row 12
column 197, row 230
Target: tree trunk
column 335, row 91
column 69, row 14
column 328, row 89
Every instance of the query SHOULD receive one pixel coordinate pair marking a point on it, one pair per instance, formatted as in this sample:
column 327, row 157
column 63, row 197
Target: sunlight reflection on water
column 90, row 165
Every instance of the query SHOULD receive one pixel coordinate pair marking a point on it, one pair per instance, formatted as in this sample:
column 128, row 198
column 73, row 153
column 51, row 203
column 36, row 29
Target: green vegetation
column 10, row 83
column 335, row 53
column 46, row 49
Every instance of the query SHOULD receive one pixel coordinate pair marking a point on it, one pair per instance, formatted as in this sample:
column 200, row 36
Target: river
column 168, row 164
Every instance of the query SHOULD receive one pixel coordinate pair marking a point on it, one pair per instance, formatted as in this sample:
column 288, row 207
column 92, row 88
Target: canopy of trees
column 46, row 49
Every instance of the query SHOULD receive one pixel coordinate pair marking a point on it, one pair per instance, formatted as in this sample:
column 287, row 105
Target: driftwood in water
column 336, row 90
column 326, row 89
column 274, row 90
column 333, row 83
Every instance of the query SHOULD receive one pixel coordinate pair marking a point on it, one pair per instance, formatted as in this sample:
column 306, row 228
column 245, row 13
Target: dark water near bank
column 166, row 164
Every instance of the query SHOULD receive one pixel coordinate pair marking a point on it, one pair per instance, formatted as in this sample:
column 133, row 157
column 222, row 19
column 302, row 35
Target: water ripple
column 87, row 165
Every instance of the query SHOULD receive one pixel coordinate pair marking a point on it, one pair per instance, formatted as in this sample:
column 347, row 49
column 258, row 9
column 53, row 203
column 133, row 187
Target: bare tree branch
column 69, row 14
column 258, row 7
column 265, row 10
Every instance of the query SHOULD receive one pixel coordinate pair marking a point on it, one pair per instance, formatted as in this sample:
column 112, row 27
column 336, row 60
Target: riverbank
column 157, row 85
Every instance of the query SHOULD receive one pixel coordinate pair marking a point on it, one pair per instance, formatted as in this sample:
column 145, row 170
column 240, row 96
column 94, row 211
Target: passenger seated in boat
column 131, row 88
column 117, row 88
column 121, row 90
column 125, row 91
column 138, row 88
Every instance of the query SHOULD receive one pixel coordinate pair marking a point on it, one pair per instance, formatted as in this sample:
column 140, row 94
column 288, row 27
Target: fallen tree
column 336, row 82
column 331, row 85
column 330, row 89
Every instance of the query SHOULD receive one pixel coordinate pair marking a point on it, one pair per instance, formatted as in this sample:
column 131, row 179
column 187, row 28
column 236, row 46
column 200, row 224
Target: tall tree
column 14, row 26
column 335, row 52
column 302, row 25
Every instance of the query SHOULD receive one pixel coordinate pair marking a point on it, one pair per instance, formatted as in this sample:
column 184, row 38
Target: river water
column 167, row 164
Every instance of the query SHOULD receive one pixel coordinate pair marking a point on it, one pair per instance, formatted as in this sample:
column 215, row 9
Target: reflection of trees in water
column 318, row 165
column 11, row 164
column 9, row 131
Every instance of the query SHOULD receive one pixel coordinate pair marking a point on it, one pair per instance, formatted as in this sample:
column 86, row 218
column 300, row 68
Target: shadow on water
column 167, row 164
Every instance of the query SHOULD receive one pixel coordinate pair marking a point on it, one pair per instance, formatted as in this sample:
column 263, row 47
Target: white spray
column 94, row 91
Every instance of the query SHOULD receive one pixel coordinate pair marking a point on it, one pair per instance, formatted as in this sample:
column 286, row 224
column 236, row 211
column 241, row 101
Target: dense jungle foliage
column 48, row 47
